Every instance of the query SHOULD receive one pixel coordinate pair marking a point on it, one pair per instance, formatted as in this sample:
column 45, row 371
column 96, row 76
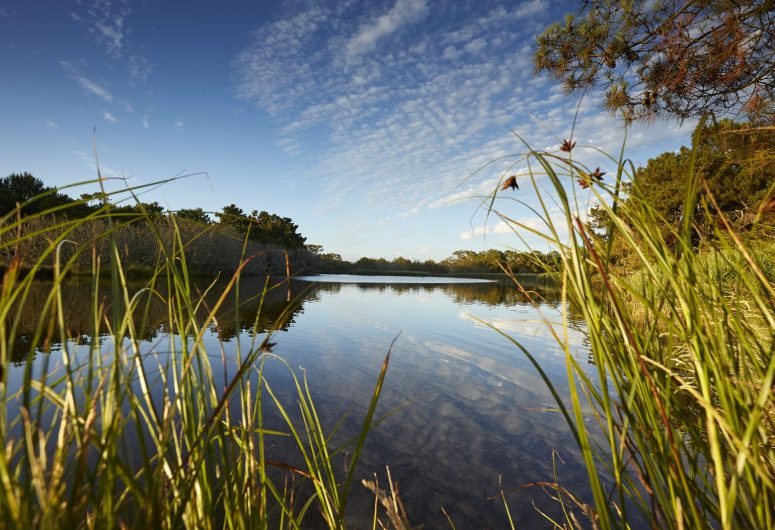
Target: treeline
column 33, row 196
column 461, row 261
column 270, row 243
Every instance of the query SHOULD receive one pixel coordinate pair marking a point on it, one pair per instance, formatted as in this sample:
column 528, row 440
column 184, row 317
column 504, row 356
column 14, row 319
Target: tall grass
column 684, row 353
column 119, row 432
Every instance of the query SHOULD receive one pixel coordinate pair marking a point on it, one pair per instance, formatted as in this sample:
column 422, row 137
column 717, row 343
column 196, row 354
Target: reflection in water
column 472, row 407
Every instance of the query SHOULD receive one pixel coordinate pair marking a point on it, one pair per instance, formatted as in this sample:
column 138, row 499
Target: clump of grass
column 117, row 432
column 684, row 355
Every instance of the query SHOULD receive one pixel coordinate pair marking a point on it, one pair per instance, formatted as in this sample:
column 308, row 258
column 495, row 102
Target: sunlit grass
column 684, row 353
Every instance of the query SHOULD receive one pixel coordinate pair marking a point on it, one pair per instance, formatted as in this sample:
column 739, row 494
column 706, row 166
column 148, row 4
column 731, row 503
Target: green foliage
column 271, row 228
column 314, row 249
column 33, row 196
column 232, row 215
column 734, row 165
column 493, row 260
column 676, row 58
column 198, row 215
column 262, row 226
column 675, row 415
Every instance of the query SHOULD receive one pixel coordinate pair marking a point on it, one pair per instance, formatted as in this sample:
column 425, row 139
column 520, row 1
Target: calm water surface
column 473, row 408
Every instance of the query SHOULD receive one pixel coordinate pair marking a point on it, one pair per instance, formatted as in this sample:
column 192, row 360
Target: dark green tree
column 314, row 249
column 735, row 161
column 136, row 210
column 18, row 188
column 232, row 215
column 262, row 226
column 678, row 58
column 271, row 228
column 194, row 214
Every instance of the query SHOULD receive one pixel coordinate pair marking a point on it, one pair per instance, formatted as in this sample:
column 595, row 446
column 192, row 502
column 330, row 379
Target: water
column 472, row 407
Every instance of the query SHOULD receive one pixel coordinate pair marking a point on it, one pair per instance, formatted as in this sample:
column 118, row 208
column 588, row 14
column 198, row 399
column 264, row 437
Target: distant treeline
column 461, row 261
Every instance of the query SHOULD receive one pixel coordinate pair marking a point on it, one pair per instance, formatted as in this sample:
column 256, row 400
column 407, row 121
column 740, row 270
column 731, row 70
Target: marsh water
column 468, row 407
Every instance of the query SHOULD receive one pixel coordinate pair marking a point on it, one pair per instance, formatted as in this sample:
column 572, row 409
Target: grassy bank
column 684, row 350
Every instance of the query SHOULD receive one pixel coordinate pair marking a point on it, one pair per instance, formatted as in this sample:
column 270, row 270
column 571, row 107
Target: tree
column 139, row 209
column 232, row 215
column 18, row 188
column 317, row 250
column 271, row 228
column 197, row 215
column 678, row 58
column 262, row 226
column 734, row 160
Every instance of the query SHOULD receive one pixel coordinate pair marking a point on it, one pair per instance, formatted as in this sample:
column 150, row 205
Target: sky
column 367, row 122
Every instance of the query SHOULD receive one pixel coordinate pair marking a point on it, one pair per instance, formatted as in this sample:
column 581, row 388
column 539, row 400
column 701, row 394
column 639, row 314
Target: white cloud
column 408, row 126
column 480, row 191
column 108, row 117
column 51, row 125
column 105, row 171
column 403, row 12
column 531, row 8
column 108, row 24
column 290, row 146
column 127, row 106
column 146, row 121
column 140, row 69
column 451, row 53
column 475, row 46
column 179, row 125
column 500, row 227
column 87, row 84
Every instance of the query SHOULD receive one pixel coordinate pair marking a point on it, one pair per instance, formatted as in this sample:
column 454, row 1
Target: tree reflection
column 256, row 307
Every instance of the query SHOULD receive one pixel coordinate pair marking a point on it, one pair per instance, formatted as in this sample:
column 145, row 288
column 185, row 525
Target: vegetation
column 460, row 262
column 112, row 431
column 674, row 272
column 680, row 59
column 734, row 161
column 212, row 248
column 683, row 350
column 262, row 226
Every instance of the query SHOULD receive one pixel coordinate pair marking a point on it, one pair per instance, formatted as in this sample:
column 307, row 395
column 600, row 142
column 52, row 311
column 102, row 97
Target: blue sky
column 362, row 120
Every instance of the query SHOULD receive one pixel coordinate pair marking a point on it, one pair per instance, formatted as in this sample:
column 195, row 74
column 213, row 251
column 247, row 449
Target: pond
column 470, row 409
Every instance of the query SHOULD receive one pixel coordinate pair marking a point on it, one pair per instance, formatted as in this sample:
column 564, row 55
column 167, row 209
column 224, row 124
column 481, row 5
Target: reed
column 116, row 431
column 683, row 352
